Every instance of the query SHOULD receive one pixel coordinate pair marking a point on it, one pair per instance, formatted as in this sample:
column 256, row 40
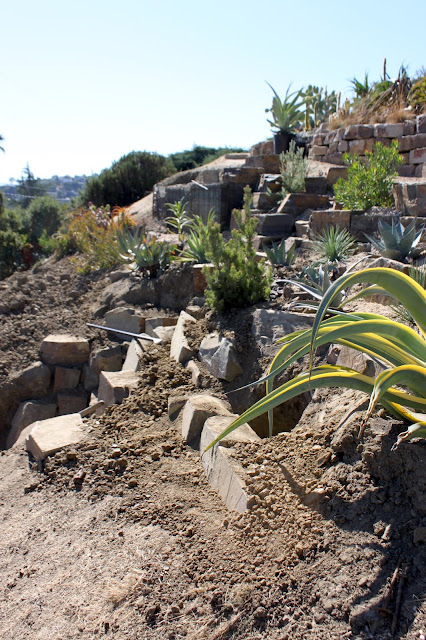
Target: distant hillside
column 63, row 188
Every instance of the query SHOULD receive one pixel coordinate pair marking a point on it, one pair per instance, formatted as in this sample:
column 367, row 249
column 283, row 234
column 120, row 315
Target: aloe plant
column 395, row 241
column 334, row 244
column 278, row 255
column 179, row 220
column 286, row 114
column 400, row 348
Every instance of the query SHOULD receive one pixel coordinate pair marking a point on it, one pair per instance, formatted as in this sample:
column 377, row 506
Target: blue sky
column 85, row 82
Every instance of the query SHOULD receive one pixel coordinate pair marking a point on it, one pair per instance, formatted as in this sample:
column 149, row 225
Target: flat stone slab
column 114, row 386
column 64, row 350
column 224, row 473
column 196, row 411
column 49, row 436
column 26, row 414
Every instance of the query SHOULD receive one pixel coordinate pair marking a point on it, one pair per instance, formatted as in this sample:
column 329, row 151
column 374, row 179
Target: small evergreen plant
column 235, row 278
column 369, row 185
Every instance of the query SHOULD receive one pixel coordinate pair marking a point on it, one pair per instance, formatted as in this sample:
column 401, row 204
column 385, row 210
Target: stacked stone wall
column 329, row 146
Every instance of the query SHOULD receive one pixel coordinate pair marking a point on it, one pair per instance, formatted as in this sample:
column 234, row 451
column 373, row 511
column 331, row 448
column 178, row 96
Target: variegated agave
column 400, row 348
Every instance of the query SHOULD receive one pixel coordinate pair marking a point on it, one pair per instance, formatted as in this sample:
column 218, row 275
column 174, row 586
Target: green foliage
column 235, row 279
column 396, row 242
column 128, row 180
column 46, row 215
column 293, row 169
column 400, row 348
column 179, row 220
column 196, row 241
column 286, row 114
column 369, row 185
column 319, row 105
column 278, row 255
column 333, row 244
column 197, row 156
column 360, row 88
column 417, row 95
column 151, row 257
column 92, row 233
column 13, row 239
column 29, row 187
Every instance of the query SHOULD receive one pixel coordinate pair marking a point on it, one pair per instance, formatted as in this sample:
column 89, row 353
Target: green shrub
column 235, row 279
column 293, row 169
column 369, row 185
column 45, row 215
column 128, row 180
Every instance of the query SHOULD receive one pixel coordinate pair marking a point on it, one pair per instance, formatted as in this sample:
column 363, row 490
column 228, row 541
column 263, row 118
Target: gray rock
column 219, row 356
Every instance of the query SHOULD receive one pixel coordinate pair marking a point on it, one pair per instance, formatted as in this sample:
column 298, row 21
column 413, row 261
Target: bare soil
column 122, row 536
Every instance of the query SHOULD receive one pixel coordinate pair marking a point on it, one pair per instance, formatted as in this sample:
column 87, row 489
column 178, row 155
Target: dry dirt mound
column 122, row 536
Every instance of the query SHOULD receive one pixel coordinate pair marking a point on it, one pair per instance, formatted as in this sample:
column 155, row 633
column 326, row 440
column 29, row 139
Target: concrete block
column 66, row 378
column 389, row 130
column 114, row 386
column 219, row 356
column 27, row 413
column 224, row 473
column 125, row 319
column 196, row 411
column 64, row 350
column 49, row 436
column 358, row 132
column 179, row 348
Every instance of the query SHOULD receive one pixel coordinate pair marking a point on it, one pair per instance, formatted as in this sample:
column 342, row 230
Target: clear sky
column 85, row 82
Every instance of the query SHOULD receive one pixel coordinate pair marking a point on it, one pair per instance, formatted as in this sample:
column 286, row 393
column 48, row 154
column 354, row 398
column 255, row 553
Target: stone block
column 275, row 224
column 334, row 158
column 316, row 184
column 270, row 324
column 165, row 334
column 421, row 124
column 175, row 404
column 358, row 132
column 32, row 382
column 409, row 127
column 334, row 173
column 179, row 348
column 196, row 311
column 133, row 361
column 193, row 367
column 199, row 280
column 270, row 181
column 125, row 319
column 66, row 378
column 389, row 130
column 64, row 350
column 89, row 378
column 362, row 222
column 72, row 402
column 224, row 472
column 318, row 139
column 26, row 414
column 108, row 359
column 406, row 170
column 319, row 150
column 159, row 321
column 410, row 196
column 297, row 203
column 49, row 436
column 114, row 386
column 333, row 147
column 302, row 228
column 321, row 220
column 343, row 146
column 418, row 156
column 262, row 201
column 196, row 411
column 218, row 354
column 359, row 147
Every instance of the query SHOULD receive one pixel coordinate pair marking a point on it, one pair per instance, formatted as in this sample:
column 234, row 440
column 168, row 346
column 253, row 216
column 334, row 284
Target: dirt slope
column 122, row 536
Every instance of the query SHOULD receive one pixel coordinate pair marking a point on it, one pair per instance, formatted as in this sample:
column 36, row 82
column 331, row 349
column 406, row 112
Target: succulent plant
column 396, row 242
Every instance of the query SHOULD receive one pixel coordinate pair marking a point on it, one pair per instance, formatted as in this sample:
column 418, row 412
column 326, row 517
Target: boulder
column 66, row 378
column 179, row 348
column 196, row 411
column 125, row 319
column 115, row 386
column 49, row 436
column 64, row 350
column 219, row 356
column 26, row 414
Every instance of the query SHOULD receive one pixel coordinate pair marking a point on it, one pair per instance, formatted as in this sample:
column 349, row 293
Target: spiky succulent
column 396, row 242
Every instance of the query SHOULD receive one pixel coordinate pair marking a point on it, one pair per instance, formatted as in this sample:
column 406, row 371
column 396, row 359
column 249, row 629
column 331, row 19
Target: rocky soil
column 122, row 536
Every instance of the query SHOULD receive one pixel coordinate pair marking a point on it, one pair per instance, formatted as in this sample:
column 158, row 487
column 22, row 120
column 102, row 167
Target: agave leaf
column 411, row 376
